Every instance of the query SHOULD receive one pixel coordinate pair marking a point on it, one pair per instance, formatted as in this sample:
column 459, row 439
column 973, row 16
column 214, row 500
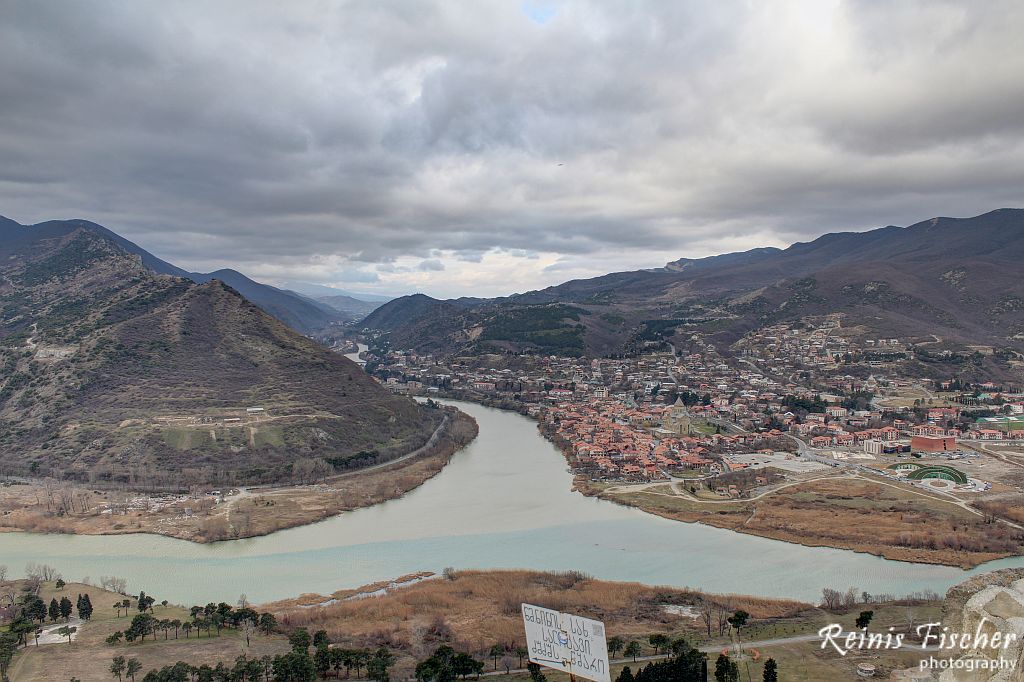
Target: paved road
column 50, row 635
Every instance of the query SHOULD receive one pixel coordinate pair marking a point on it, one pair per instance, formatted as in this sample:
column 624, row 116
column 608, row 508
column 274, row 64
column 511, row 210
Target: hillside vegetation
column 954, row 279
column 112, row 373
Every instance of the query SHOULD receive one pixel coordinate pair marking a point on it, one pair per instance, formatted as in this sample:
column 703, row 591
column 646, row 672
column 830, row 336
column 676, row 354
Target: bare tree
column 249, row 627
column 3, row 573
column 707, row 613
column 118, row 585
column 831, row 599
column 723, row 612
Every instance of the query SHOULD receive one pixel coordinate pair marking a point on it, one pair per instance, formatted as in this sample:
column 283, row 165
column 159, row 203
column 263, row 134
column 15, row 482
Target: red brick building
column 933, row 443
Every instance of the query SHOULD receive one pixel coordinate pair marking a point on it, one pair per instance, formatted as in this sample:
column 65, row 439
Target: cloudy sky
column 483, row 147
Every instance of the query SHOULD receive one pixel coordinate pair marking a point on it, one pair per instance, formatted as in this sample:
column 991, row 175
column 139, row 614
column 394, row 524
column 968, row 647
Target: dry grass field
column 849, row 513
column 88, row 657
column 473, row 610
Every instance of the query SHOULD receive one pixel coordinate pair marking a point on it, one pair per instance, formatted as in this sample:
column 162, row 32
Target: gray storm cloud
column 343, row 136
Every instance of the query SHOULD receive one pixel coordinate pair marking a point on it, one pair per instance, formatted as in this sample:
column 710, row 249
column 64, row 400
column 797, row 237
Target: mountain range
column 116, row 367
column 953, row 281
column 305, row 314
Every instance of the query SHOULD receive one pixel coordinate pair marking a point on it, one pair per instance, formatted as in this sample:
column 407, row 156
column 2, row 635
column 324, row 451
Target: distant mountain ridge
column 957, row 278
column 302, row 313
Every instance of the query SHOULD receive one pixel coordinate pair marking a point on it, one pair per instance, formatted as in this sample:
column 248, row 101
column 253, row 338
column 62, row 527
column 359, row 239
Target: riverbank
column 835, row 508
column 52, row 507
column 839, row 511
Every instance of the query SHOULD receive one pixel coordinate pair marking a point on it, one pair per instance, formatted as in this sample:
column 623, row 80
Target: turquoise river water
column 503, row 502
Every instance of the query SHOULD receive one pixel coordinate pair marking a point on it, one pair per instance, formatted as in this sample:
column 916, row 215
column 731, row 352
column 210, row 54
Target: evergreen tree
column 537, row 676
column 377, row 667
column 132, row 667
column 54, row 610
column 300, row 640
column 440, row 667
column 726, row 670
column 771, row 671
column 117, row 666
column 65, row 608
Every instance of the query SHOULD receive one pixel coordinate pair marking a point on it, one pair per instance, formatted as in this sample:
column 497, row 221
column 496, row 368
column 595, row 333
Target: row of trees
column 691, row 666
column 298, row 665
column 207, row 618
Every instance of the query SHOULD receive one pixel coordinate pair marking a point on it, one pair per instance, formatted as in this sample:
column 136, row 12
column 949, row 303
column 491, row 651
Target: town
column 784, row 405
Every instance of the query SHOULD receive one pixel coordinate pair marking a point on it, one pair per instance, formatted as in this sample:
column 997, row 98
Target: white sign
column 565, row 642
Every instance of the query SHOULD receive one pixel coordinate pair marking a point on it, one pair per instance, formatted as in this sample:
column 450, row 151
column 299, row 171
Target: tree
column 268, row 623
column 522, row 652
column 771, row 671
column 537, row 676
column 497, row 651
column 300, row 640
column 726, row 669
column 615, row 645
column 65, row 631
column 625, row 676
column 377, row 667
column 54, row 610
column 248, row 626
column 464, row 665
column 831, row 599
column 322, row 660
column 657, row 642
column 33, row 608
column 142, row 625
column 115, row 638
column 117, row 666
column 132, row 668
column 65, row 608
column 295, row 666
column 440, row 667
column 739, row 619
column 84, row 607
column 864, row 619
column 320, row 639
column 633, row 649
column 60, row 584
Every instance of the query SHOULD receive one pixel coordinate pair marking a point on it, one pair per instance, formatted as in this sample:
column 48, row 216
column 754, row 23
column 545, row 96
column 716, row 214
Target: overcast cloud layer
column 473, row 147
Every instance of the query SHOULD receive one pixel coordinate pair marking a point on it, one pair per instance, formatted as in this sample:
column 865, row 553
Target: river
column 503, row 502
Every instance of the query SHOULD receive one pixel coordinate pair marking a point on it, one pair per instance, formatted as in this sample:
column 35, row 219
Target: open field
column 49, row 507
column 88, row 657
column 473, row 611
column 849, row 512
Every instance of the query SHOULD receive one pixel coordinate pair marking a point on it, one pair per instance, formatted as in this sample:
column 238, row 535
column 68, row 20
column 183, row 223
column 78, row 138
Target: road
column 431, row 442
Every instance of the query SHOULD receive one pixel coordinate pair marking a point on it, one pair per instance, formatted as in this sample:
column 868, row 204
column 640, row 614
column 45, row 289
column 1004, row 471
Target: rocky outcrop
column 982, row 607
